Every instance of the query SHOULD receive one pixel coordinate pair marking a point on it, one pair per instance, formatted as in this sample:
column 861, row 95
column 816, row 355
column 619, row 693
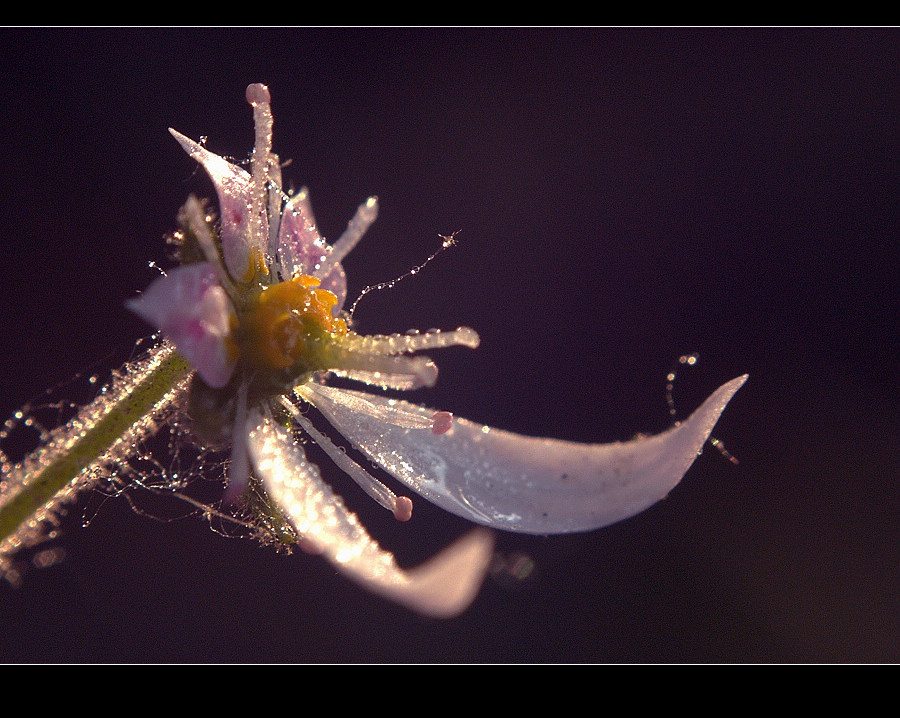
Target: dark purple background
column 621, row 197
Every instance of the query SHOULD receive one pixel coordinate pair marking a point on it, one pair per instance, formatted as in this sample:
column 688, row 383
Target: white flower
column 256, row 310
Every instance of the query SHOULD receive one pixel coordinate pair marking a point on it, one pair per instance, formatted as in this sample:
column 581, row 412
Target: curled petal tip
column 189, row 146
column 445, row 585
column 441, row 587
column 708, row 414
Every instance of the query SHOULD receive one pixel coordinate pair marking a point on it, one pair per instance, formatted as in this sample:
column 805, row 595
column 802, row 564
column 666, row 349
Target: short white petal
column 514, row 482
column 442, row 587
column 194, row 312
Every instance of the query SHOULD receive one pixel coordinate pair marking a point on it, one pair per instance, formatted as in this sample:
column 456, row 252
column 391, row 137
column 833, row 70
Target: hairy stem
column 121, row 415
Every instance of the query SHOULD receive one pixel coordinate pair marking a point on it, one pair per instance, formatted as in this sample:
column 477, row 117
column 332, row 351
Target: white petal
column 303, row 251
column 442, row 587
column 243, row 240
column 515, row 482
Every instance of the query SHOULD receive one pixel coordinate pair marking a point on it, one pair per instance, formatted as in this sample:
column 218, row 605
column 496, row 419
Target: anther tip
column 441, row 422
column 403, row 508
column 468, row 337
column 258, row 94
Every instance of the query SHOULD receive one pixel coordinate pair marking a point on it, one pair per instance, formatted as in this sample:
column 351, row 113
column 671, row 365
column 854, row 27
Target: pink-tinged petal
column 190, row 307
column 512, row 482
column 442, row 587
column 303, row 250
column 235, row 188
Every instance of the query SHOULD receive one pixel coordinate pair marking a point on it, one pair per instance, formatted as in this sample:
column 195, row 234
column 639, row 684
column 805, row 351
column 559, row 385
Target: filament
column 401, row 507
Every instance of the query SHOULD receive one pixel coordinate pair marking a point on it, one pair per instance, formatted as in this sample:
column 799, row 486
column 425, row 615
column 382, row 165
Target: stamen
column 400, row 506
column 399, row 382
column 403, row 509
column 259, row 99
column 239, row 468
column 393, row 344
column 365, row 215
column 388, row 371
column 374, row 359
column 277, row 199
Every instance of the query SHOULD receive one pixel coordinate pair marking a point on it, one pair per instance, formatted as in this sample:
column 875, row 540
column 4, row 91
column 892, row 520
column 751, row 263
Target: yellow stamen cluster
column 256, row 266
column 290, row 323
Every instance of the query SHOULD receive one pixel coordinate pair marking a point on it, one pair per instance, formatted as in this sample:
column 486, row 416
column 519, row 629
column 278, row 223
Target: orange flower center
column 289, row 323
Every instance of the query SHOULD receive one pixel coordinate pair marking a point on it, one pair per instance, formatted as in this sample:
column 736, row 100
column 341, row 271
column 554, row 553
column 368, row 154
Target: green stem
column 51, row 475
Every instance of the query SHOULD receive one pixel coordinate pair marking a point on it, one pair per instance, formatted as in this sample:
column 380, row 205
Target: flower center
column 289, row 324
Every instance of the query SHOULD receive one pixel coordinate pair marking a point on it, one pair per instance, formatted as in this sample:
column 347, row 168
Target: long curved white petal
column 514, row 482
column 442, row 587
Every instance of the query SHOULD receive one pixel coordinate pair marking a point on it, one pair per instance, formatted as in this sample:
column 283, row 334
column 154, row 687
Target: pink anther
column 403, row 508
column 258, row 94
column 441, row 422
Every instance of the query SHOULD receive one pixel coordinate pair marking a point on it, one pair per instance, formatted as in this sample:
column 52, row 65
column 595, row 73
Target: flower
column 256, row 308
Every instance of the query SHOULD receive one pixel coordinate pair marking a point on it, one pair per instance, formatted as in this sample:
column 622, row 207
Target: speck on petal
column 193, row 311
